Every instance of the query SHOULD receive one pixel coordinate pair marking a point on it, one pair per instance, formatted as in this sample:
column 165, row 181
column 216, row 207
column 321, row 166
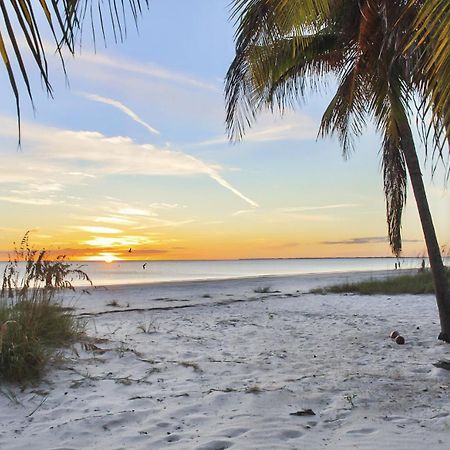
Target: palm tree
column 285, row 49
column 24, row 21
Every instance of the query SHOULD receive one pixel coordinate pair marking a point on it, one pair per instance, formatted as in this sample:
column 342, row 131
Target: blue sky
column 93, row 180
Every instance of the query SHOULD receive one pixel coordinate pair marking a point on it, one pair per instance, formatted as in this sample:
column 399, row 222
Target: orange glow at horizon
column 105, row 257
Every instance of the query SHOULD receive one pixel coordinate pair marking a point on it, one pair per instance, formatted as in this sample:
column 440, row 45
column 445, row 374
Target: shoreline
column 194, row 281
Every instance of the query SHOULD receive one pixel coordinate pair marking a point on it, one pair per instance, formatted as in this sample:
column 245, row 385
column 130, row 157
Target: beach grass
column 31, row 333
column 416, row 283
column 34, row 325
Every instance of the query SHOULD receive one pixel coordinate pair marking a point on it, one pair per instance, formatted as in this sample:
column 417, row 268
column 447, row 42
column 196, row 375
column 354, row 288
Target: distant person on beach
column 395, row 265
column 422, row 266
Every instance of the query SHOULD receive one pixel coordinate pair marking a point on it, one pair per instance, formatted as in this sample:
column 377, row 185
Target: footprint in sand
column 215, row 445
column 290, row 434
column 362, row 431
column 173, row 438
column 234, row 432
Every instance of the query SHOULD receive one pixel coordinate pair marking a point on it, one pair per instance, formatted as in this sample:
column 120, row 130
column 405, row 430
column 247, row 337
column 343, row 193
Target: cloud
column 139, row 68
column 134, row 212
column 120, row 241
column 162, row 205
column 98, row 230
column 293, row 126
column 80, row 174
column 123, row 108
column 114, row 220
column 242, row 212
column 359, row 241
column 366, row 240
column 56, row 151
column 211, row 171
column 299, row 209
column 28, row 200
column 169, row 223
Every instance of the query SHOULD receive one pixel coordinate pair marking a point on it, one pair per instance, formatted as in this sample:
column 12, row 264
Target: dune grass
column 417, row 283
column 31, row 333
column 34, row 325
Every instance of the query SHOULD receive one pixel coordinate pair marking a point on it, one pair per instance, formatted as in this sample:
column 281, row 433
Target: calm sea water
column 134, row 272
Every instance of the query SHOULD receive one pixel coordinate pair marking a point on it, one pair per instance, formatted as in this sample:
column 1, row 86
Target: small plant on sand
column 191, row 364
column 114, row 304
column 254, row 389
column 33, row 323
column 262, row 290
column 149, row 328
column 350, row 398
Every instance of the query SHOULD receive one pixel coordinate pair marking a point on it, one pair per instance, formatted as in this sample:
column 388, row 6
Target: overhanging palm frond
column 22, row 30
column 270, row 37
column 432, row 32
column 394, row 180
column 431, row 38
column 345, row 116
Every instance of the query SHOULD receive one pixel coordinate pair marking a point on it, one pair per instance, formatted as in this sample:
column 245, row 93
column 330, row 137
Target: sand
column 215, row 365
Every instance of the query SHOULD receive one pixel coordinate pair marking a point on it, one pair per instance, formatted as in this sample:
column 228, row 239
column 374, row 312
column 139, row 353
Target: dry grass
column 418, row 283
column 33, row 323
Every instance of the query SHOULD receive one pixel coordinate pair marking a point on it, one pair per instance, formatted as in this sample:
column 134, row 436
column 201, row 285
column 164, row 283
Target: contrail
column 211, row 172
column 225, row 184
column 123, row 108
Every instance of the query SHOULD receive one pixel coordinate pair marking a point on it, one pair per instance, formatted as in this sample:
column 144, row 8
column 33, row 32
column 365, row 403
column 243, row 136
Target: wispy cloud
column 134, row 212
column 121, row 241
column 139, row 68
column 242, row 212
column 162, row 205
column 359, row 241
column 98, row 230
column 213, row 173
column 28, row 200
column 293, row 126
column 123, row 108
column 80, row 174
column 99, row 155
column 300, row 209
column 114, row 220
column 366, row 240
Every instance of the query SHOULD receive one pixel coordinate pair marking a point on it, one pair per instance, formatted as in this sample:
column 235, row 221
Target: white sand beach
column 215, row 365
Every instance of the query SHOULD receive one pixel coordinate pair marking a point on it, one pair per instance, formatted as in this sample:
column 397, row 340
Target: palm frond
column 22, row 30
column 394, row 181
column 432, row 74
column 269, row 37
column 346, row 114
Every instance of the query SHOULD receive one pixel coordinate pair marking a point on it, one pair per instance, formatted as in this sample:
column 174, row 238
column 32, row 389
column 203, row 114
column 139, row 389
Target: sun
column 108, row 258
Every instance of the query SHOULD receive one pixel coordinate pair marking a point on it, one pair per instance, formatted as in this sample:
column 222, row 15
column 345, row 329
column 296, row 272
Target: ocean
column 142, row 272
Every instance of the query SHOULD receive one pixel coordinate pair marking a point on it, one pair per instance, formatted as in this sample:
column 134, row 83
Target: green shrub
column 33, row 323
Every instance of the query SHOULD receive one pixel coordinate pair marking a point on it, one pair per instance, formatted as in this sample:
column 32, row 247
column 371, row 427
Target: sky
column 132, row 153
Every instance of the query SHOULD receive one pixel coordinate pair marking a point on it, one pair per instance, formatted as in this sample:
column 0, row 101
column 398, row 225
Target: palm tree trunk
column 440, row 281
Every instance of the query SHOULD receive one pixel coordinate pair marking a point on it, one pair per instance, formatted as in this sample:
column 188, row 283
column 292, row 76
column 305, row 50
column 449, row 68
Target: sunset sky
column 133, row 154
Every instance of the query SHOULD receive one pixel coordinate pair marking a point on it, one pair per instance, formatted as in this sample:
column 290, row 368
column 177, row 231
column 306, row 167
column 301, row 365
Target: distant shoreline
column 314, row 258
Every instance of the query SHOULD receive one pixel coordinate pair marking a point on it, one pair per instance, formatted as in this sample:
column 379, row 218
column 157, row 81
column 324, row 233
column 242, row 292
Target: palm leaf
column 24, row 21
column 268, row 31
